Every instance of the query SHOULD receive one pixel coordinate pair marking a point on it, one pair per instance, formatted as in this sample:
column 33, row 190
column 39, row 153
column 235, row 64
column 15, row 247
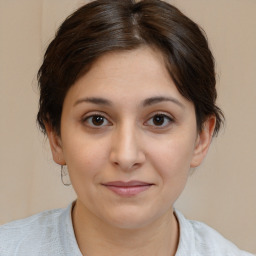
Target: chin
column 131, row 219
column 129, row 223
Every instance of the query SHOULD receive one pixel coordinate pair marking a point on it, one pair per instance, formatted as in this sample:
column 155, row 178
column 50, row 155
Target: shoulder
column 216, row 244
column 26, row 236
column 203, row 240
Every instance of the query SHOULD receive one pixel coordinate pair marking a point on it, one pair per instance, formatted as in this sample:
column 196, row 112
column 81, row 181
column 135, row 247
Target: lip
column 127, row 189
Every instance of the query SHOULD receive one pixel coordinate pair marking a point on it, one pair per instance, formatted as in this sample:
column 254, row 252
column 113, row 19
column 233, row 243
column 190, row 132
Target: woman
column 127, row 100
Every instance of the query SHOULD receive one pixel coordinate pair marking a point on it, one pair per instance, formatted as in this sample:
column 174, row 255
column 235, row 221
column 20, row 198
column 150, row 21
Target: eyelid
column 165, row 115
column 85, row 118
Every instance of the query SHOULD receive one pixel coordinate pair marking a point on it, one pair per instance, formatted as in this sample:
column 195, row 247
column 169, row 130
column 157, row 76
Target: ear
column 56, row 145
column 203, row 142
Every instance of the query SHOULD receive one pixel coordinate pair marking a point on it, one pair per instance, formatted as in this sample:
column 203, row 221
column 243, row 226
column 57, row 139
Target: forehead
column 143, row 59
column 134, row 74
column 126, row 66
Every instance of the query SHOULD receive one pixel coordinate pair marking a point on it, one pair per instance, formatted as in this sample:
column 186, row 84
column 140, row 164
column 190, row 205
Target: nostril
column 116, row 163
column 126, row 153
column 127, row 164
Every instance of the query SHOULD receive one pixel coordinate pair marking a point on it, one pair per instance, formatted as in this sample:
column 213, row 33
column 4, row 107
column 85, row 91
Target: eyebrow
column 94, row 100
column 145, row 103
column 159, row 99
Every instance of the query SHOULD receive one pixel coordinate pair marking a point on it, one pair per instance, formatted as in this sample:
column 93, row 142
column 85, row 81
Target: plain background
column 222, row 192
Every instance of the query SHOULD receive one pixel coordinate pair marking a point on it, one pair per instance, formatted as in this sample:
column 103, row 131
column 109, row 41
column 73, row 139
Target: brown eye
column 96, row 121
column 158, row 120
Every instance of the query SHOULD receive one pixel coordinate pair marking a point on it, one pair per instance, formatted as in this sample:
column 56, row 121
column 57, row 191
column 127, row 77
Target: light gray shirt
column 51, row 233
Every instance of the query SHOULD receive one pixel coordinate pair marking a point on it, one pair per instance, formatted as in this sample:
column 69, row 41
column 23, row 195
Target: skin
column 146, row 131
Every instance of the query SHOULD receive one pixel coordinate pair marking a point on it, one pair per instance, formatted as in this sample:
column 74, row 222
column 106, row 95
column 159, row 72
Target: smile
column 127, row 189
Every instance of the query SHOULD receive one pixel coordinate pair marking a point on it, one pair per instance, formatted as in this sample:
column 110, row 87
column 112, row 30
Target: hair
column 104, row 26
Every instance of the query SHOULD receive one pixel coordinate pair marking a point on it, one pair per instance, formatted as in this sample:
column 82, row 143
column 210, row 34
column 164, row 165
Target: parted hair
column 104, row 26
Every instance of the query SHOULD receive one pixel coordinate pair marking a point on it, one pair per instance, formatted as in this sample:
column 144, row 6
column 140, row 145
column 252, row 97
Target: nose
column 126, row 149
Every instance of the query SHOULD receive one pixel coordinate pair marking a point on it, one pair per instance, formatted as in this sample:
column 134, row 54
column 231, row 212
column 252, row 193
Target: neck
column 95, row 237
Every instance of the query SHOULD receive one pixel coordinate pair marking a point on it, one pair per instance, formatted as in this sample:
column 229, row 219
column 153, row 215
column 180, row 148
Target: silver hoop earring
column 65, row 176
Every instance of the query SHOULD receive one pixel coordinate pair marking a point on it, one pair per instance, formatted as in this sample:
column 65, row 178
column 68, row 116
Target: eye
column 160, row 120
column 96, row 121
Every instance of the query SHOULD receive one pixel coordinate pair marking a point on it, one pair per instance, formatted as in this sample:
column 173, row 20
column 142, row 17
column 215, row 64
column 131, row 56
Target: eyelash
column 166, row 118
column 87, row 120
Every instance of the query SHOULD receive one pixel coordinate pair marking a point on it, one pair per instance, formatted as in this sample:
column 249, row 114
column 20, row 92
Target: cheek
column 85, row 162
column 173, row 155
column 172, row 162
column 84, row 158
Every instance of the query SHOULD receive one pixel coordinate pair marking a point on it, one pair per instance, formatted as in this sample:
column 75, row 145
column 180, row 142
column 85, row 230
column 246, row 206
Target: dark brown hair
column 109, row 25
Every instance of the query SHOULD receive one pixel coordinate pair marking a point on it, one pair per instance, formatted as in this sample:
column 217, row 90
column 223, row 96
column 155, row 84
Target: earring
column 65, row 176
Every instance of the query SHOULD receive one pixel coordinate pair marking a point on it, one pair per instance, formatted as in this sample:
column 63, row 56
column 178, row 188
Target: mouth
column 127, row 189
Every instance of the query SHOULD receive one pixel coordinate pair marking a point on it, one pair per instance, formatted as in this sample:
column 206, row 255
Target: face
column 128, row 138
